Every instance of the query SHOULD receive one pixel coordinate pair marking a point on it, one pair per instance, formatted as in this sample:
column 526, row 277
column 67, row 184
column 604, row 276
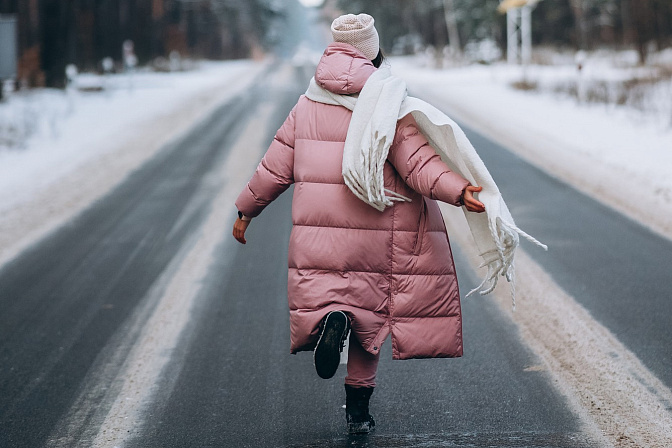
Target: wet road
column 65, row 300
column 240, row 387
column 81, row 298
column 74, row 309
column 616, row 268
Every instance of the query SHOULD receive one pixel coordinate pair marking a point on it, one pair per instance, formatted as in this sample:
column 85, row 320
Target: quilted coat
column 392, row 272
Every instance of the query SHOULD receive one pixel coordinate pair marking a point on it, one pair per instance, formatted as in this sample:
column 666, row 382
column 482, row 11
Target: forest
column 644, row 25
column 54, row 33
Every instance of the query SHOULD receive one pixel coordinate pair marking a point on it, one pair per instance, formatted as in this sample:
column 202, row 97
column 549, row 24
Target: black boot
column 327, row 355
column 357, row 409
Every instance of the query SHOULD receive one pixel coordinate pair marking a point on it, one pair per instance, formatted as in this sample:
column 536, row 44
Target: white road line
column 620, row 401
column 162, row 330
column 156, row 327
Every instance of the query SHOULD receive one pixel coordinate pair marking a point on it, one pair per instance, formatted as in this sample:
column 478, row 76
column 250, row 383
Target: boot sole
column 327, row 354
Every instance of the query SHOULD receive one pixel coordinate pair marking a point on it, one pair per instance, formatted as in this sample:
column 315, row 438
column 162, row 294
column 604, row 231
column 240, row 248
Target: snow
column 74, row 126
column 60, row 151
column 620, row 154
column 617, row 400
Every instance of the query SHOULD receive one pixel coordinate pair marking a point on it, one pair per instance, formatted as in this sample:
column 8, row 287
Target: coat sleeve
column 274, row 174
column 421, row 167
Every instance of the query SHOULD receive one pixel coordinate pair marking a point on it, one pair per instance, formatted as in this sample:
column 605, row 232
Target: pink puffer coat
column 392, row 272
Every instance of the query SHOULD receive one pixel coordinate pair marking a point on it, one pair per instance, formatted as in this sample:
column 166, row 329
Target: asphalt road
column 64, row 301
column 239, row 386
column 81, row 297
column 70, row 301
column 616, row 268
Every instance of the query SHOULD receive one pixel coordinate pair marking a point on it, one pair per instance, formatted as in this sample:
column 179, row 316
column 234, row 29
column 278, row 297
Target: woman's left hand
column 470, row 202
column 239, row 228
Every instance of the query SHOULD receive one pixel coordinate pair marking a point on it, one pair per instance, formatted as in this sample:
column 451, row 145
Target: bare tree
column 451, row 26
column 643, row 23
column 581, row 26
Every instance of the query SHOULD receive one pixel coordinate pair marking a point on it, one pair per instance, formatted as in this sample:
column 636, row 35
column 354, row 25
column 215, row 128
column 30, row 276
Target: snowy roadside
column 615, row 154
column 619, row 402
column 86, row 143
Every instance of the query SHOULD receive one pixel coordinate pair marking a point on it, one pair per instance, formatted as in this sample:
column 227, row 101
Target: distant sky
column 312, row 2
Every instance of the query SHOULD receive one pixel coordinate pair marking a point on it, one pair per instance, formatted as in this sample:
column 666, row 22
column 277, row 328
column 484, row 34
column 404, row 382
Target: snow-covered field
column 619, row 153
column 69, row 148
column 56, row 131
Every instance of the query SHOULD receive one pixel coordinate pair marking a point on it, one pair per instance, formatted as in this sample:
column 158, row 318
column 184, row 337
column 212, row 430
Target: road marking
column 162, row 330
column 27, row 222
column 121, row 383
column 620, row 402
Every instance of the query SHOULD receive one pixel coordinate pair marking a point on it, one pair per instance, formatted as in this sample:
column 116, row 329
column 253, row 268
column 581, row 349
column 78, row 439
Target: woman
column 352, row 266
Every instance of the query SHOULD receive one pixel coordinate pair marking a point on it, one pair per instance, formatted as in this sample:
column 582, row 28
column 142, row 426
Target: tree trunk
column 57, row 28
column 580, row 23
column 643, row 23
column 626, row 20
column 451, row 26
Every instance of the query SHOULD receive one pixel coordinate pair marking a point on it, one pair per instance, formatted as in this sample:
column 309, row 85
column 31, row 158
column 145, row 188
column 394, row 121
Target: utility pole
column 518, row 29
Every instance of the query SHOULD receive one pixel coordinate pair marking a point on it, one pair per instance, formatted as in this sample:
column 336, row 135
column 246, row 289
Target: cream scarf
column 375, row 112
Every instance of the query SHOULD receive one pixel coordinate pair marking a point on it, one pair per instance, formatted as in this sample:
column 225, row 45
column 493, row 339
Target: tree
column 650, row 23
column 451, row 25
column 57, row 29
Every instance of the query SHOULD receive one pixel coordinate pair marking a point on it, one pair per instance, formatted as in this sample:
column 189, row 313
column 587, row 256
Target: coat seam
column 398, row 274
column 362, row 228
column 317, row 140
column 392, row 287
column 320, row 183
column 436, row 181
column 282, row 179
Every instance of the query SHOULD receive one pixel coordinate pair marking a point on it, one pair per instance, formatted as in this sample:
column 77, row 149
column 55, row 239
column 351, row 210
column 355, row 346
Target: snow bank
column 618, row 154
column 82, row 144
column 66, row 129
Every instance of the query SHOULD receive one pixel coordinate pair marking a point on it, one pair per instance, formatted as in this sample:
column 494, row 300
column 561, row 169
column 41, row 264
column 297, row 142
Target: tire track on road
column 162, row 332
column 68, row 301
column 616, row 396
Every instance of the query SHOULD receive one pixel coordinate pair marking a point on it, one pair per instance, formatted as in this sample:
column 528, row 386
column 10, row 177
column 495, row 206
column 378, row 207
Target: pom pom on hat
column 358, row 31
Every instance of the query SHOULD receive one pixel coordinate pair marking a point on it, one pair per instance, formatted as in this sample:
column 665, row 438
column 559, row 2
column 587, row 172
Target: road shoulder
column 617, row 398
column 54, row 204
column 629, row 188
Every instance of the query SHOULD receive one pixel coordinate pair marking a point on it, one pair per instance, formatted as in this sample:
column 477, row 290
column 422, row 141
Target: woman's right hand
column 239, row 228
column 470, row 202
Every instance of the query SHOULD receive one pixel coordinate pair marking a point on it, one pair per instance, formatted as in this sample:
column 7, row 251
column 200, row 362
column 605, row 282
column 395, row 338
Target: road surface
column 76, row 304
column 142, row 323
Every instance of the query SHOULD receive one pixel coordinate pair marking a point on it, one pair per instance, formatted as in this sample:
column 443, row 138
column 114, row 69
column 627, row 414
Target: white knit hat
column 358, row 31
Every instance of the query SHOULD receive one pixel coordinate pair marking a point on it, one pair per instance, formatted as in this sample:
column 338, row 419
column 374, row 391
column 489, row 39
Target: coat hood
column 343, row 69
